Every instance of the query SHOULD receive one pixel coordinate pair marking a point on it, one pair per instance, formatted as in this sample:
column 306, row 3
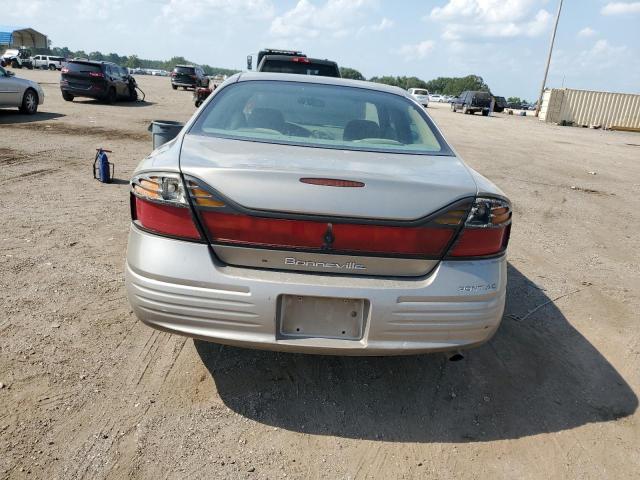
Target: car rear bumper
column 180, row 287
column 93, row 91
column 184, row 84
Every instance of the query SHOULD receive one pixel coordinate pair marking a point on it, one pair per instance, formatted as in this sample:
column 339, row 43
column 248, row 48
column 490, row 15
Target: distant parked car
column 421, row 95
column 47, row 62
column 102, row 80
column 472, row 102
column 500, row 104
column 188, row 76
column 435, row 97
column 19, row 92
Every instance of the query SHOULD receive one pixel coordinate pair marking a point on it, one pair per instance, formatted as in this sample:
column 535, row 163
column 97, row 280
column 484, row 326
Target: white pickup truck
column 47, row 61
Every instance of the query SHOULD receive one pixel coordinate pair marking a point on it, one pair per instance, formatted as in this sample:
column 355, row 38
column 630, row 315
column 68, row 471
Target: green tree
column 516, row 100
column 133, row 62
column 351, row 73
column 96, row 56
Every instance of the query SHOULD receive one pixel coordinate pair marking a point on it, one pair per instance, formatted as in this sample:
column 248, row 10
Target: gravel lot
column 89, row 392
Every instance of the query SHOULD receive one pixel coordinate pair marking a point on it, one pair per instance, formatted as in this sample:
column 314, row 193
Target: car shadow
column 14, row 116
column 535, row 376
column 119, row 103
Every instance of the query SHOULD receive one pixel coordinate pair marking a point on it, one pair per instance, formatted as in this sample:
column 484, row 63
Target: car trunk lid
column 379, row 226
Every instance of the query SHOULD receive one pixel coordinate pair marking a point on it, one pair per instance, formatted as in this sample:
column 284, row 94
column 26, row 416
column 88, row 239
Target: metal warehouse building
column 14, row 37
column 588, row 108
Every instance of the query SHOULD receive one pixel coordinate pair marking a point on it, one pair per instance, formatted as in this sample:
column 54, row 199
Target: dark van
column 472, row 102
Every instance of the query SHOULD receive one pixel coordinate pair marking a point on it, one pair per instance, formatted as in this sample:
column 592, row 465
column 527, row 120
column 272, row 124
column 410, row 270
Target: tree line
column 442, row 85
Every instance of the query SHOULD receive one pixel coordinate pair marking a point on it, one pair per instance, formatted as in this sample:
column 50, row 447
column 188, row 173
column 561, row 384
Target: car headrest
column 359, row 129
column 266, row 118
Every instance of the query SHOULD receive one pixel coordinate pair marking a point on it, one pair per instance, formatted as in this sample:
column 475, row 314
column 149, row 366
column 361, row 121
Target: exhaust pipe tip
column 455, row 356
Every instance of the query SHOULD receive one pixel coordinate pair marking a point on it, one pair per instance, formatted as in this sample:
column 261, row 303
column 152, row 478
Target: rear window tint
column 420, row 92
column 77, row 67
column 317, row 115
column 289, row 66
column 187, row 70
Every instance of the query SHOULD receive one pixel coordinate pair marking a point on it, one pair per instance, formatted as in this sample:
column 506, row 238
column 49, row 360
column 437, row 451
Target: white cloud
column 490, row 18
column 587, row 32
column 620, row 8
column 180, row 13
column 418, row 50
column 384, row 24
column 336, row 18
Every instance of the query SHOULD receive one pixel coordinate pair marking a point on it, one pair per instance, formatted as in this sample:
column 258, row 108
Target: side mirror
column 249, row 62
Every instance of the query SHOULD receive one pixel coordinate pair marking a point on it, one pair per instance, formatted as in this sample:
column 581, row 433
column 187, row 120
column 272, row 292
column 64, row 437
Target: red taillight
column 480, row 242
column 159, row 204
column 96, row 74
column 336, row 237
column 301, row 60
column 165, row 219
column 486, row 231
column 64, row 70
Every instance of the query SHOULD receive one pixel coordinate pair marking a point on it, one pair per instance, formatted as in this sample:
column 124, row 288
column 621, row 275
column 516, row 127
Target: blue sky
column 504, row 41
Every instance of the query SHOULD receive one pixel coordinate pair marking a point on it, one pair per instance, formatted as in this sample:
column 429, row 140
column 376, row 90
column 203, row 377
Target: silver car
column 19, row 92
column 315, row 214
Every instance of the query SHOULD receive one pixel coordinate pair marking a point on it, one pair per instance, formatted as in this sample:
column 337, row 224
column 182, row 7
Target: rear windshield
column 482, row 95
column 420, row 92
column 78, row 67
column 187, row 70
column 328, row 116
column 289, row 66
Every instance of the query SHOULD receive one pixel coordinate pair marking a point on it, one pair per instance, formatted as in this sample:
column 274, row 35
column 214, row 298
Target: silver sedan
column 315, row 214
column 19, row 92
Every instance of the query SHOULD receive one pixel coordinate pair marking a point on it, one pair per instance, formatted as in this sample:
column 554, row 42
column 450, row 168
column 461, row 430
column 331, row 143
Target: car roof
column 344, row 82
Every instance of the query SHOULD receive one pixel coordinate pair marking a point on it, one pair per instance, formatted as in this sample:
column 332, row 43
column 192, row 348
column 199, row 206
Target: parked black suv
column 188, row 76
column 472, row 102
column 102, row 80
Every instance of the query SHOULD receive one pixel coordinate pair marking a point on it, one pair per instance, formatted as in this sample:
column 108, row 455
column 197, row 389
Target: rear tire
column 133, row 95
column 29, row 102
column 52, row 67
column 67, row 96
column 175, row 87
column 15, row 64
column 485, row 113
column 111, row 96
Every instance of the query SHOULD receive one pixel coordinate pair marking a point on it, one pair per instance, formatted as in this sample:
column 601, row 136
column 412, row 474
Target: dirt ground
column 89, row 392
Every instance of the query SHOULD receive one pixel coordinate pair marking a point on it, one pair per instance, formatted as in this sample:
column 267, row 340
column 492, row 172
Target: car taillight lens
column 159, row 204
column 486, row 230
column 64, row 70
column 225, row 225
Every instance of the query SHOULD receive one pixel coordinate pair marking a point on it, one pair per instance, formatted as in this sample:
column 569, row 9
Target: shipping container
column 590, row 109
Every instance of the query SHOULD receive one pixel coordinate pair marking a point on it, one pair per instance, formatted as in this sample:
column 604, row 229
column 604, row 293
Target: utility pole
column 546, row 70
